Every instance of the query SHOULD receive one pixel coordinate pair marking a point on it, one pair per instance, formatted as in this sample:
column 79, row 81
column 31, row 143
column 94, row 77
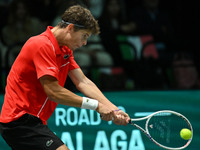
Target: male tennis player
column 35, row 84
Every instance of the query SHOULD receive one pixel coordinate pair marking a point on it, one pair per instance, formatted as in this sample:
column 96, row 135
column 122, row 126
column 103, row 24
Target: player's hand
column 105, row 112
column 121, row 118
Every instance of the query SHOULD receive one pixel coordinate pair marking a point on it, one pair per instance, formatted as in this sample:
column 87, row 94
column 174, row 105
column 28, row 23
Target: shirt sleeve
column 45, row 62
column 73, row 64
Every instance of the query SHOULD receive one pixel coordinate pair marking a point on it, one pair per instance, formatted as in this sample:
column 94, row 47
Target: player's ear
column 70, row 27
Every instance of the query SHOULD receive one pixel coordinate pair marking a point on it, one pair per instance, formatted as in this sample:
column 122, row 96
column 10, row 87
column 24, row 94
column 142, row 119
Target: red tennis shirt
column 40, row 55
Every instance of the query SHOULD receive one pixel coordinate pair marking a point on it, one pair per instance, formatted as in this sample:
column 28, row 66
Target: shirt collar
column 51, row 37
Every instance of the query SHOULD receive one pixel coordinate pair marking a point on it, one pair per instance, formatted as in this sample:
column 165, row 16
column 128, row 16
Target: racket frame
column 146, row 131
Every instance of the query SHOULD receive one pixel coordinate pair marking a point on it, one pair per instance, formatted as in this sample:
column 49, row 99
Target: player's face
column 76, row 39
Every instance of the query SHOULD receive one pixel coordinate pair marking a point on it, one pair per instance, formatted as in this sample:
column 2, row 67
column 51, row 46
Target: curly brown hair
column 81, row 17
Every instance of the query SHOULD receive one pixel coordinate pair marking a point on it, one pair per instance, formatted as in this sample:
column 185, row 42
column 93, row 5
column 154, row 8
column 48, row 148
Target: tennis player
column 35, row 84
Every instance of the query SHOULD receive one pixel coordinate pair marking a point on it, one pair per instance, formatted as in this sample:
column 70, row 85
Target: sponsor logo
column 66, row 56
column 49, row 142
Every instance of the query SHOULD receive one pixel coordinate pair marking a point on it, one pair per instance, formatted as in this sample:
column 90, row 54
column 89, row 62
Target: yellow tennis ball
column 185, row 134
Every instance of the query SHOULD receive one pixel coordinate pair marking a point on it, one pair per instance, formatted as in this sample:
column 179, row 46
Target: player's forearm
column 63, row 96
column 89, row 89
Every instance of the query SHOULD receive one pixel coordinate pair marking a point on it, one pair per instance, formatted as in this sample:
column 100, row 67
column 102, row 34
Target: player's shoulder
column 39, row 41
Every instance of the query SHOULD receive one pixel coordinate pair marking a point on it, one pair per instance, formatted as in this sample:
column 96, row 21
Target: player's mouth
column 78, row 46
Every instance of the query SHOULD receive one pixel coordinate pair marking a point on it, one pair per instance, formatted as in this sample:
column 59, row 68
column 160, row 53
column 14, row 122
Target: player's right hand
column 121, row 118
column 105, row 112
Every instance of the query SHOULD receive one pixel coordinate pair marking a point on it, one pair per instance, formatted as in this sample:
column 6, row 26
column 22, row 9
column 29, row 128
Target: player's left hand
column 121, row 118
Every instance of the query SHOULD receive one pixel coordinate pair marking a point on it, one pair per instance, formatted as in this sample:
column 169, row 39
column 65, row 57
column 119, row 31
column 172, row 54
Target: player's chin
column 73, row 49
column 76, row 47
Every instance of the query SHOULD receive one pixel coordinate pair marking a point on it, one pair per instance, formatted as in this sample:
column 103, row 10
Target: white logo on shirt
column 65, row 64
column 51, row 67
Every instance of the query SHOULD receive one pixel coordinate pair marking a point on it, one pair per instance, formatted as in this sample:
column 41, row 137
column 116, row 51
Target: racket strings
column 165, row 129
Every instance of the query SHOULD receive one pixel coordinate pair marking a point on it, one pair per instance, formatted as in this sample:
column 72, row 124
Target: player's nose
column 85, row 42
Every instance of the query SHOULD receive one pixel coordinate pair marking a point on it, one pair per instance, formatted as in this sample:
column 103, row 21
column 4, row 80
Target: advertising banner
column 82, row 129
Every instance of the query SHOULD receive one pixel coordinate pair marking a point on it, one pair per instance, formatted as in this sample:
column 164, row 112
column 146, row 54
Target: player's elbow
column 51, row 94
column 51, row 87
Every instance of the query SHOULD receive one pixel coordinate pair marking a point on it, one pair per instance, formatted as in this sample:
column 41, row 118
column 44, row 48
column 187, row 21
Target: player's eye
column 84, row 37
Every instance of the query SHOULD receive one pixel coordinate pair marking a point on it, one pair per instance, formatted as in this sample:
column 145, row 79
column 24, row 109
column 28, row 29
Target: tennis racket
column 163, row 128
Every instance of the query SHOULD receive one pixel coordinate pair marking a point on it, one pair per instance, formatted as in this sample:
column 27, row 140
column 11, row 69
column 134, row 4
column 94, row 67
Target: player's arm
column 61, row 95
column 89, row 89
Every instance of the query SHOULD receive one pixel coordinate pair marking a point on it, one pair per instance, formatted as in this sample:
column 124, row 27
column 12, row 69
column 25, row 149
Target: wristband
column 89, row 103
